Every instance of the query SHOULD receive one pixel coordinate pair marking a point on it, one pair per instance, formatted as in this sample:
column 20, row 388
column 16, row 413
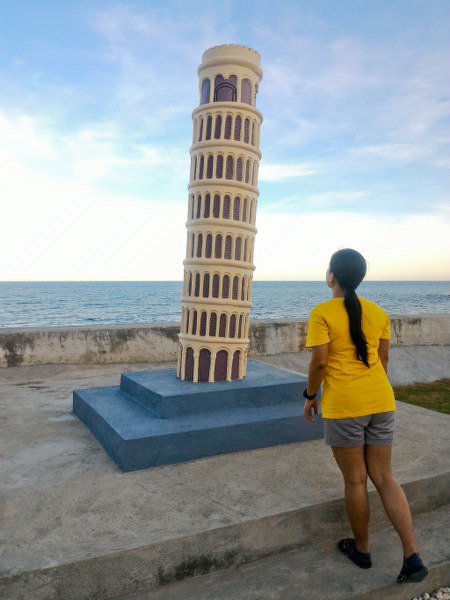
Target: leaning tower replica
column 157, row 419
column 223, row 195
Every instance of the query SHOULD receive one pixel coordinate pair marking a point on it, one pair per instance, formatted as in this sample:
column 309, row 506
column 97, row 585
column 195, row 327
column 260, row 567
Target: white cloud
column 20, row 136
column 395, row 152
column 354, row 96
column 61, row 227
column 56, row 224
column 413, row 247
column 98, row 152
column 65, row 230
column 151, row 50
column 278, row 172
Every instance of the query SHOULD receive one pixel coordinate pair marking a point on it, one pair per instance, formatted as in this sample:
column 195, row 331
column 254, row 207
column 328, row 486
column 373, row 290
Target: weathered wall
column 159, row 342
column 89, row 344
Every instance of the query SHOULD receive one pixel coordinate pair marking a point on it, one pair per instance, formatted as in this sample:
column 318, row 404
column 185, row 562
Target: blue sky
column 95, row 128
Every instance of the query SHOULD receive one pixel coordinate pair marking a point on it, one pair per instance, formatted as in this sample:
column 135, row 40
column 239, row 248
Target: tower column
column 212, row 367
column 208, row 321
column 196, row 360
column 241, row 364
column 229, row 365
column 245, row 363
column 178, row 361
column 183, row 364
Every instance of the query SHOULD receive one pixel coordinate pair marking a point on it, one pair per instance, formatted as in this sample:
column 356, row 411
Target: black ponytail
column 349, row 268
column 353, row 308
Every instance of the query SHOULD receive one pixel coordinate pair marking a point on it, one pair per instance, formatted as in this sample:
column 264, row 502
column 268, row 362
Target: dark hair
column 349, row 267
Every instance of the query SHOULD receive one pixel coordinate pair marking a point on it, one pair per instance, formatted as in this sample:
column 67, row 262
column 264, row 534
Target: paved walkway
column 407, row 364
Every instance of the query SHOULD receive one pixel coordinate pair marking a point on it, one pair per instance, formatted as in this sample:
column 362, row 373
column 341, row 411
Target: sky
column 95, row 128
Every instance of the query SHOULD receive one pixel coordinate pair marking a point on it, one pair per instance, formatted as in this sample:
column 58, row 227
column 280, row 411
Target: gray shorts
column 374, row 430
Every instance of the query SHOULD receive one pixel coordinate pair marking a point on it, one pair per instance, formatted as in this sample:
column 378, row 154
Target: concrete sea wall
column 142, row 343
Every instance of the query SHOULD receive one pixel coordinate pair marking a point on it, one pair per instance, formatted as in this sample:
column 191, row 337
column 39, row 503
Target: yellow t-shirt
column 350, row 389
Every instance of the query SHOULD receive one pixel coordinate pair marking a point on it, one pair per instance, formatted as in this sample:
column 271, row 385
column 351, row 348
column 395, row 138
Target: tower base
column 154, row 419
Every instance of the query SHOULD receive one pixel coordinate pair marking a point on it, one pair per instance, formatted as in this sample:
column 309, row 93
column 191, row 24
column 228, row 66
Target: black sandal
column 348, row 547
column 413, row 570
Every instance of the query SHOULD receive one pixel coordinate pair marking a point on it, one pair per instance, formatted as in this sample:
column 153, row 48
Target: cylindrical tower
column 223, row 195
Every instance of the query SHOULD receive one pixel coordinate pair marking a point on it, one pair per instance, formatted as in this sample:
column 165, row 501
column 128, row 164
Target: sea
column 50, row 304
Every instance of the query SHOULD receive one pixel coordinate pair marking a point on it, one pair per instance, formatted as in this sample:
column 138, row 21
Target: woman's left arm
column 317, row 367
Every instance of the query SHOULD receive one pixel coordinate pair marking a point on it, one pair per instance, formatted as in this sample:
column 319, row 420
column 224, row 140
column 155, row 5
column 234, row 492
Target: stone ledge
column 158, row 342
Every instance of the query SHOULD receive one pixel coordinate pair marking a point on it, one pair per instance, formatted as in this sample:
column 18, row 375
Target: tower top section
column 229, row 73
column 231, row 54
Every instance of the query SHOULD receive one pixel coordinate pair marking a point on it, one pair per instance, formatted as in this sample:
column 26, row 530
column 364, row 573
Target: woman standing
column 349, row 337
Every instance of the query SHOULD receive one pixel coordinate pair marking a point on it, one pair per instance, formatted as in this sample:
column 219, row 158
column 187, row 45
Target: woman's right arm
column 383, row 353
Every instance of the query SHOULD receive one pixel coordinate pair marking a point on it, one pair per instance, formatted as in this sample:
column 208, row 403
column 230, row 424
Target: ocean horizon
column 67, row 303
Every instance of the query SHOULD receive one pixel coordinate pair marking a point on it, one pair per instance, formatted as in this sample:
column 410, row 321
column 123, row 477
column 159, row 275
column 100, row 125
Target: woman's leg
column 351, row 462
column 378, row 462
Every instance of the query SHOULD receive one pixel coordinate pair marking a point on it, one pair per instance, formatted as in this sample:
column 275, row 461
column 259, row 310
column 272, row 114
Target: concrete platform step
column 136, row 439
column 167, row 396
column 155, row 419
column 320, row 571
column 294, row 533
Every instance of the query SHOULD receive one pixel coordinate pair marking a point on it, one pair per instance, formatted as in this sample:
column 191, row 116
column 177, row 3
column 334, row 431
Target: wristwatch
column 305, row 394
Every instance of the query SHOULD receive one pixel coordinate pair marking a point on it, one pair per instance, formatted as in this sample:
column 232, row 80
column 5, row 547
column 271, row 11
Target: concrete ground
column 75, row 527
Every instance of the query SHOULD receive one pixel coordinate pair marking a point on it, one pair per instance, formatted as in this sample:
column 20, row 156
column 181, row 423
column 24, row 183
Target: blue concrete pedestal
column 155, row 419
